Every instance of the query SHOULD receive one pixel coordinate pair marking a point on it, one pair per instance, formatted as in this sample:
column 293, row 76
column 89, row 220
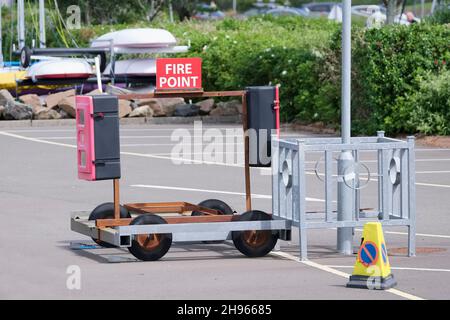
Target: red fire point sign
column 179, row 73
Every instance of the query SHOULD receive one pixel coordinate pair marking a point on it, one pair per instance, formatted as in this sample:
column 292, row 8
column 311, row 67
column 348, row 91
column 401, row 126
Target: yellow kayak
column 8, row 78
column 8, row 81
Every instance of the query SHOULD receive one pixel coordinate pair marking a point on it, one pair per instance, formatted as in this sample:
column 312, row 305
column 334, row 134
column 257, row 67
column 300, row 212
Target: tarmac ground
column 39, row 189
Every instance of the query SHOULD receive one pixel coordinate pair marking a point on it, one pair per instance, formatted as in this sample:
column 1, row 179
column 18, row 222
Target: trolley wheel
column 255, row 243
column 25, row 57
column 106, row 211
column 214, row 204
column 150, row 247
column 103, row 62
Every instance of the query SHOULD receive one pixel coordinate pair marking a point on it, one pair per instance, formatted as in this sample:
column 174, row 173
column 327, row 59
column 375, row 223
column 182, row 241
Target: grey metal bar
column 350, row 147
column 204, row 227
column 281, row 186
column 302, row 204
column 89, row 229
column 275, row 169
column 380, row 135
column 42, row 36
column 412, row 197
column 357, row 190
column 351, row 224
column 387, row 186
column 296, row 195
column 328, row 185
column 404, row 184
column 338, row 141
column 288, row 144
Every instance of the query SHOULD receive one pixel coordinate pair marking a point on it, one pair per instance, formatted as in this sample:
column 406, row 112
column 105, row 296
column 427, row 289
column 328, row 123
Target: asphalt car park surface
column 39, row 189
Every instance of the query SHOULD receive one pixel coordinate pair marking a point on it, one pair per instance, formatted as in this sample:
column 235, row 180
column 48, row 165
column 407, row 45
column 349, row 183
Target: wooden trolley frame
column 210, row 215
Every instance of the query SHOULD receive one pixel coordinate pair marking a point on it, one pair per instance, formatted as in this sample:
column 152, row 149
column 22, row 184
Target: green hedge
column 389, row 68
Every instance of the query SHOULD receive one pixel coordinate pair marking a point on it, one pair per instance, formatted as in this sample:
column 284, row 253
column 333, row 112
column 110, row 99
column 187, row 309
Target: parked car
column 288, row 11
column 260, row 8
column 277, row 11
column 208, row 12
column 368, row 10
column 320, row 9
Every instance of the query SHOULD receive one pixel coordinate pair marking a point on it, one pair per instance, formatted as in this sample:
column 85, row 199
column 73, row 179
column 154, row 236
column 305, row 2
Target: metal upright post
column 345, row 201
column 116, row 193
column 1, row 39
column 42, row 36
column 21, row 23
column 171, row 12
column 248, row 192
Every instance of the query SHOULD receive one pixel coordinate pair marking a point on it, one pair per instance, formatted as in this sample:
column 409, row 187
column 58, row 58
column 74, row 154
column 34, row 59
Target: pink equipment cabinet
column 98, row 142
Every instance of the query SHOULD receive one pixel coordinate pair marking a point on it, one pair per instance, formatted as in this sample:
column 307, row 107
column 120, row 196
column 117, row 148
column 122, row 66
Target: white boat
column 136, row 38
column 60, row 69
column 367, row 10
column 133, row 68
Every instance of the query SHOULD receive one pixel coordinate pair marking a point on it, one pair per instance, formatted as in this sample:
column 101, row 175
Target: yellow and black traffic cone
column 372, row 269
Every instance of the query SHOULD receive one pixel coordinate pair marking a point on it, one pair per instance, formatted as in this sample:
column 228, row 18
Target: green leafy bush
column 440, row 16
column 388, row 68
column 430, row 105
column 390, row 62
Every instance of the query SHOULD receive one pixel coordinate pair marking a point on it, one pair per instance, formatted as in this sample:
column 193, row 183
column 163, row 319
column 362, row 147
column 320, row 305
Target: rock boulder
column 229, row 108
column 47, row 114
column 143, row 111
column 5, row 97
column 68, row 105
column 18, row 111
column 124, row 108
column 32, row 100
column 168, row 105
column 206, row 106
column 186, row 110
column 53, row 100
column 157, row 108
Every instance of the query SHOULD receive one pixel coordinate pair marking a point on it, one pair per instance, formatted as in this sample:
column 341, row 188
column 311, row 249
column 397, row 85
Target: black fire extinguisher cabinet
column 262, row 122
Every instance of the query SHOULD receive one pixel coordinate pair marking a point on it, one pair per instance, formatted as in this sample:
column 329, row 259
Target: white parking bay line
column 37, row 140
column 432, row 185
column 193, row 161
column 254, row 195
column 417, row 234
column 129, row 137
column 398, row 268
column 339, row 273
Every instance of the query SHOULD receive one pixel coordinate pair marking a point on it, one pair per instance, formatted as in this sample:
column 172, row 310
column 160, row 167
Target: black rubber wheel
column 25, row 57
column 215, row 204
column 255, row 243
column 106, row 211
column 103, row 62
column 150, row 247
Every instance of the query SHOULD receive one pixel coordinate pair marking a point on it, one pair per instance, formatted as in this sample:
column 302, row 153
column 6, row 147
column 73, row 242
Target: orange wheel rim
column 256, row 238
column 149, row 241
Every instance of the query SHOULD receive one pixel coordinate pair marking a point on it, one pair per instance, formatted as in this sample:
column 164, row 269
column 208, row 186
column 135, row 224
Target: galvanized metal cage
column 395, row 179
